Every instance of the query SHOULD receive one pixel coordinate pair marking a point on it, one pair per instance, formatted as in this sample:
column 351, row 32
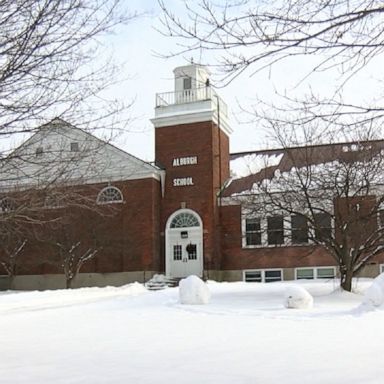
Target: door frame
column 168, row 243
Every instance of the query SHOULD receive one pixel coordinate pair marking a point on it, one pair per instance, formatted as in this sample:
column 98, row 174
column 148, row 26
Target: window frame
column 315, row 273
column 298, row 230
column 187, row 83
column 262, row 274
column 248, row 233
column 273, row 231
column 286, row 230
column 74, row 146
column 317, row 229
column 103, row 191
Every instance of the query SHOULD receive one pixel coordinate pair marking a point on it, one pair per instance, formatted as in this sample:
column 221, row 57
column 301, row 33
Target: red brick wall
column 125, row 234
column 211, row 146
column 235, row 257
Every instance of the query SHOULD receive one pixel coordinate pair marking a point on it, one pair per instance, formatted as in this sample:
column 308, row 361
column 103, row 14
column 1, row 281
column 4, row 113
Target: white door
column 184, row 245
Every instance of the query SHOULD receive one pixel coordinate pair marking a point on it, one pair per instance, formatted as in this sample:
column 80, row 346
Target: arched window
column 184, row 219
column 109, row 195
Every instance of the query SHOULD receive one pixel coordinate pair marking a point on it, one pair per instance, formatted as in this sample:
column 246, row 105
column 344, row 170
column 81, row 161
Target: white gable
column 59, row 152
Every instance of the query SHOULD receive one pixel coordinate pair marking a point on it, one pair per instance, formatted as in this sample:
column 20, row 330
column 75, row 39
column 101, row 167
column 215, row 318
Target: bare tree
column 68, row 237
column 12, row 246
column 73, row 258
column 51, row 62
column 342, row 37
column 329, row 195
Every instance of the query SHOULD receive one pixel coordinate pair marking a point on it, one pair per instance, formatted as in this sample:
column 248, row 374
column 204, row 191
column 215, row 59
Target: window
column 7, row 205
column 299, row 228
column 305, row 273
column 252, row 231
column 39, row 151
column 253, row 276
column 270, row 276
column 110, row 195
column 184, row 220
column 263, row 275
column 187, row 83
column 74, row 147
column 323, row 226
column 192, row 251
column 381, row 268
column 275, row 230
column 177, row 252
column 316, row 273
column 325, row 273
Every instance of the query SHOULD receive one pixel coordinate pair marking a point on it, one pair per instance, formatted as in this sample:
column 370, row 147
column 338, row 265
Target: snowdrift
column 297, row 297
column 374, row 295
column 192, row 290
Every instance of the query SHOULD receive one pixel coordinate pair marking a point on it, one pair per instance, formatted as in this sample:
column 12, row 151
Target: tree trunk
column 68, row 282
column 346, row 276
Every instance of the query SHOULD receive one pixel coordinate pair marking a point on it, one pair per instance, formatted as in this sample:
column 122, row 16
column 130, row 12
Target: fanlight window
column 110, row 195
column 185, row 219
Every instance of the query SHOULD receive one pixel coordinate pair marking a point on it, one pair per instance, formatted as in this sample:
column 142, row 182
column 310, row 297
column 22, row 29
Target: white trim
column 182, row 210
column 188, row 117
column 121, row 200
column 315, row 272
column 287, row 228
column 198, row 232
column 262, row 271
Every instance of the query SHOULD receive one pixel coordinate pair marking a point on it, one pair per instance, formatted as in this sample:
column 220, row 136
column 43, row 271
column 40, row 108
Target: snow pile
column 297, row 297
column 158, row 278
column 374, row 295
column 192, row 290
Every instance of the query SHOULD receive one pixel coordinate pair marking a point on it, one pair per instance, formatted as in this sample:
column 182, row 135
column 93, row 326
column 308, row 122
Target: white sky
column 135, row 46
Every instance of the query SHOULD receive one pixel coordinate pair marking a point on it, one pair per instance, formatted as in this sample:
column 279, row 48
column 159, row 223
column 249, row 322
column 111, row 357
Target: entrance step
column 158, row 282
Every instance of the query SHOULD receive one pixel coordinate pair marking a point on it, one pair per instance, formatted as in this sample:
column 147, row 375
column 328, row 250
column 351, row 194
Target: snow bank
column 192, row 290
column 374, row 295
column 297, row 297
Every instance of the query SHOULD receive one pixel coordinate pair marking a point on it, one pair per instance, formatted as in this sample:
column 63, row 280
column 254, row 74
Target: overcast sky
column 135, row 46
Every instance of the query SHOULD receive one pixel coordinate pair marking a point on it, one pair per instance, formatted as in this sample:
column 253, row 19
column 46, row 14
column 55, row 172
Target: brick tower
column 192, row 146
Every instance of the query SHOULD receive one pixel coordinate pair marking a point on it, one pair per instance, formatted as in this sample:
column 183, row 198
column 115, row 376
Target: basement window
column 315, row 273
column 263, row 275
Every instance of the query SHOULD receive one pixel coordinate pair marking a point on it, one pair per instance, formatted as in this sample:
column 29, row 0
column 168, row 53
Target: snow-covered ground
column 244, row 335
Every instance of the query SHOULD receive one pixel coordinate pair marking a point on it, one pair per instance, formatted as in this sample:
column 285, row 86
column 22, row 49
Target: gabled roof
column 248, row 168
column 60, row 151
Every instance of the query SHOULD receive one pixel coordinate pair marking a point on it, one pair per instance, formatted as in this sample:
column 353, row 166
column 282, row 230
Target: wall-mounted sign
column 182, row 181
column 189, row 160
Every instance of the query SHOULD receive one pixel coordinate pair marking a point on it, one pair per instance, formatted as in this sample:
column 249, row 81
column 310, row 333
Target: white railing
column 190, row 96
